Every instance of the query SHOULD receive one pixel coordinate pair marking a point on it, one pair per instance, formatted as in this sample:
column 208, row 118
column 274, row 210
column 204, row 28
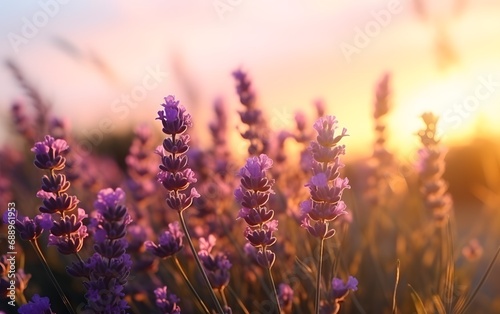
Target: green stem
column 186, row 279
column 200, row 266
column 65, row 300
column 318, row 276
column 271, row 279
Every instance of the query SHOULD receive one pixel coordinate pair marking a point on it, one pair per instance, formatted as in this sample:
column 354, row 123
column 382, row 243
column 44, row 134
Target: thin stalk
column 223, row 295
column 271, row 279
column 318, row 276
column 480, row 284
column 200, row 266
column 65, row 300
column 394, row 306
column 237, row 298
column 186, row 279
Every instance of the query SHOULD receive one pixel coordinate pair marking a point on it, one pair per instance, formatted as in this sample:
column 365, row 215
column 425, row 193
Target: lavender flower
column 170, row 242
column 166, row 301
column 338, row 293
column 431, row 166
column 139, row 167
column 253, row 195
column 175, row 175
column 382, row 160
column 325, row 186
column 68, row 231
column 252, row 116
column 29, row 229
column 48, row 153
column 109, row 267
column 37, row 305
column 285, row 294
column 217, row 266
column 340, row 289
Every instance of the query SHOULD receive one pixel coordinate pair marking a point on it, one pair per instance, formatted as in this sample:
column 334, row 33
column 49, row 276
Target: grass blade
column 394, row 307
column 417, row 301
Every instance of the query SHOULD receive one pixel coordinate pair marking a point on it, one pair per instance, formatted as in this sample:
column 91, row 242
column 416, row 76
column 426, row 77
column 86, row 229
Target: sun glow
column 461, row 98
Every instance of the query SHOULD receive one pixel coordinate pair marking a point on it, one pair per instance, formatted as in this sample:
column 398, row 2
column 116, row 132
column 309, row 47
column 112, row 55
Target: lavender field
column 238, row 180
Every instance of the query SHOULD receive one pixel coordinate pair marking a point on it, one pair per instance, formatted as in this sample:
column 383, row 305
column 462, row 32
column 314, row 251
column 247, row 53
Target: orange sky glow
column 83, row 60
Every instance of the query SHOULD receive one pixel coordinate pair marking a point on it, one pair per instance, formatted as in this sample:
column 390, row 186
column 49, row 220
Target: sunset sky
column 85, row 56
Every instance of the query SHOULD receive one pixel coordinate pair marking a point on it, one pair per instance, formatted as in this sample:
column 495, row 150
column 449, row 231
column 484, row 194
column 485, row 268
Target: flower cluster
column 29, row 229
column 108, row 269
column 175, row 175
column 217, row 266
column 253, row 195
column 170, row 242
column 285, row 295
column 67, row 231
column 167, row 302
column 139, row 168
column 326, row 186
column 338, row 293
column 431, row 167
column 37, row 305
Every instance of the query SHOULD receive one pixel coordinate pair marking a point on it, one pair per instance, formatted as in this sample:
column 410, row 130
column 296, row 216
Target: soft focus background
column 87, row 55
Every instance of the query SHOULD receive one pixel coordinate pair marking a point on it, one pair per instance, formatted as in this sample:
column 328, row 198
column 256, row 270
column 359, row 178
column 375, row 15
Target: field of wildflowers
column 168, row 227
column 256, row 210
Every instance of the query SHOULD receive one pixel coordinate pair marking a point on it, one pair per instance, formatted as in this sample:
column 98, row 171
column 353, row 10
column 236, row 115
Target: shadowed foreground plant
column 325, row 187
column 253, row 195
column 37, row 305
column 108, row 269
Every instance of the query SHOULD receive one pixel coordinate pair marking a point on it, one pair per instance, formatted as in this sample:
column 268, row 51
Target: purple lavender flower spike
column 253, row 195
column 37, row 305
column 67, row 230
column 170, row 242
column 108, row 269
column 325, row 187
column 167, row 302
column 175, row 175
column 431, row 166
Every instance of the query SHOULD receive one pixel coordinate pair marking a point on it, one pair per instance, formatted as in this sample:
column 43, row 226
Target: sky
column 90, row 58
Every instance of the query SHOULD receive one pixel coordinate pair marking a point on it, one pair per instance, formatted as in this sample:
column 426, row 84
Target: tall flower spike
column 253, row 196
column 431, row 167
column 67, row 231
column 380, row 164
column 175, row 175
column 109, row 267
column 251, row 116
column 325, row 187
